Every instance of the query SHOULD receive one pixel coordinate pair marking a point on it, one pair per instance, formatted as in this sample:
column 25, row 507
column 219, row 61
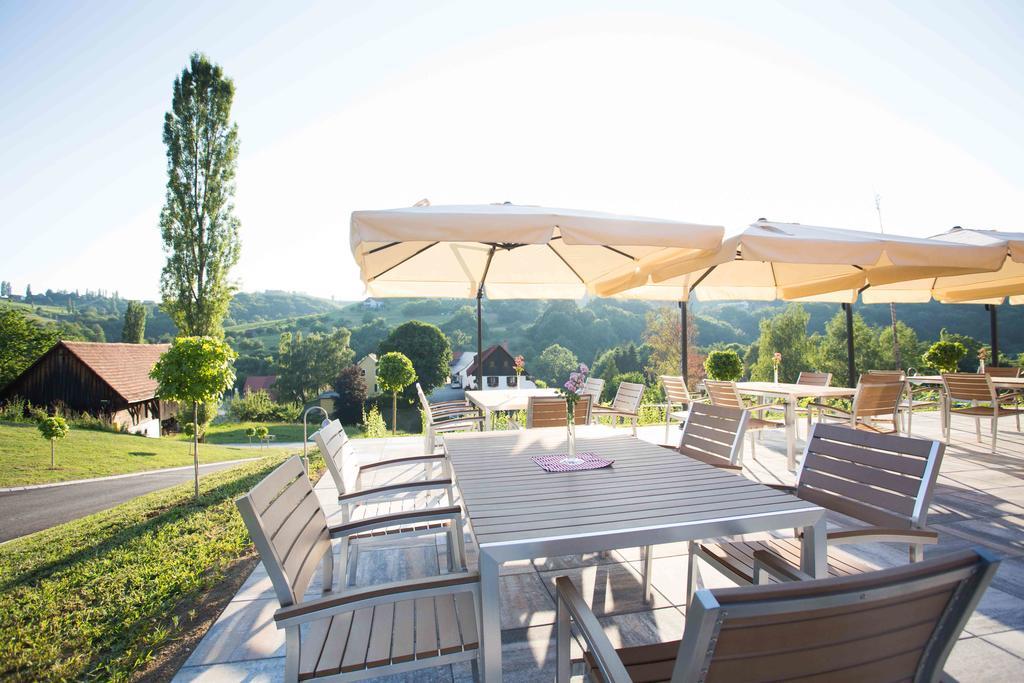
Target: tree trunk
column 195, row 442
column 394, row 412
column 895, row 339
column 53, row 457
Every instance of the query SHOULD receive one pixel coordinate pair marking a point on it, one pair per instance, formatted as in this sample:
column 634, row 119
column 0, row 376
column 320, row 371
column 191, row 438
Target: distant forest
column 256, row 321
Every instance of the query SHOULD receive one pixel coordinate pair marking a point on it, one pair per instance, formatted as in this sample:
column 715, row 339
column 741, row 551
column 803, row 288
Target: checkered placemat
column 561, row 462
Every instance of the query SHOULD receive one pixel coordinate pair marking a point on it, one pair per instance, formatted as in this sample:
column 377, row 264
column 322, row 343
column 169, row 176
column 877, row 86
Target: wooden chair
column 552, row 411
column 354, row 634
column 883, row 481
column 725, row 394
column 877, row 399
column 347, row 475
column 973, row 388
column 1010, row 398
column 896, row 624
column 676, row 394
column 813, row 379
column 625, row 405
column 447, row 416
column 713, row 435
column 911, row 402
column 594, row 387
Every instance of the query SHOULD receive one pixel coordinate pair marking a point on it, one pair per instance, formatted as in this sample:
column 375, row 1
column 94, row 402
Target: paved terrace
column 979, row 501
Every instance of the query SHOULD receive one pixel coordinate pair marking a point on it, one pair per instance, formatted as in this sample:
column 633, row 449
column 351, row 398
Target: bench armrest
column 767, row 562
column 381, row 521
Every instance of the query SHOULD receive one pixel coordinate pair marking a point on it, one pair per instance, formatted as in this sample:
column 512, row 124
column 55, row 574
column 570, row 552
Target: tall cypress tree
column 199, row 229
column 134, row 330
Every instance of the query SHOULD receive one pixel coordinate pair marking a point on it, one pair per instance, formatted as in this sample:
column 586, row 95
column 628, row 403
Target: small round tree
column 724, row 365
column 250, row 432
column 394, row 374
column 195, row 370
column 262, row 434
column 53, row 428
column 945, row 355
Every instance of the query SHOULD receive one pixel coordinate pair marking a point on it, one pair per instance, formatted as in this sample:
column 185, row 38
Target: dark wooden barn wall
column 61, row 377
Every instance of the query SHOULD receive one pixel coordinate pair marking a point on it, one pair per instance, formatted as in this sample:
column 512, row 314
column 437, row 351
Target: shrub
column 351, row 388
column 373, row 424
column 945, row 355
column 724, row 365
column 250, row 432
column 14, row 409
column 257, row 406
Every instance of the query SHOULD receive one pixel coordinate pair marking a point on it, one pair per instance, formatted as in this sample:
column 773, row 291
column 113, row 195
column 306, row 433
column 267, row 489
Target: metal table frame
column 809, row 517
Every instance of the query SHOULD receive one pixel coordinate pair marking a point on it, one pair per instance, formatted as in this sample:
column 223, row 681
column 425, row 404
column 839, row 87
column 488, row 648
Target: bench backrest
column 881, row 479
column 969, row 386
column 1002, row 371
column 628, row 397
column 288, row 527
column 333, row 443
column 814, row 379
column 723, row 393
column 552, row 411
column 676, row 392
column 893, row 624
column 712, row 432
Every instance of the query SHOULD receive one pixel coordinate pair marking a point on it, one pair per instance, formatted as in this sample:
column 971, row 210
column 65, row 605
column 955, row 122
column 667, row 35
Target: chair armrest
column 785, row 488
column 589, row 628
column 829, row 408
column 876, row 534
column 401, row 461
column 380, row 521
column 765, row 406
column 442, row 404
column 390, row 489
column 457, row 421
column 454, row 410
column 770, row 563
column 321, row 608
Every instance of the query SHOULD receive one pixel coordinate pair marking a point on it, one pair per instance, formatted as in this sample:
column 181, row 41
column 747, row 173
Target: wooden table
column 791, row 395
column 651, row 495
column 492, row 400
column 997, row 382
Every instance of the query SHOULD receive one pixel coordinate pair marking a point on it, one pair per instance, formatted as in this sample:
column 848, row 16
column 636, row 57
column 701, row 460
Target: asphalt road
column 25, row 512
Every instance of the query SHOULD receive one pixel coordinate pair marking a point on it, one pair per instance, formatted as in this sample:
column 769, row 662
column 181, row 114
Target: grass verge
column 110, row 596
column 25, row 456
column 284, row 432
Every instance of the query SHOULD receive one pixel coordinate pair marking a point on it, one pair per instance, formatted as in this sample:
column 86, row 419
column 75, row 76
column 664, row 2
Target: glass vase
column 570, row 431
column 776, row 375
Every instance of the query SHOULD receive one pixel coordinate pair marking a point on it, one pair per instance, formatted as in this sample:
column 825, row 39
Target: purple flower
column 583, row 368
column 569, row 386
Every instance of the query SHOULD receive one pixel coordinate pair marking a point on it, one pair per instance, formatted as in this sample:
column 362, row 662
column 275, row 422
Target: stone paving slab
column 980, row 502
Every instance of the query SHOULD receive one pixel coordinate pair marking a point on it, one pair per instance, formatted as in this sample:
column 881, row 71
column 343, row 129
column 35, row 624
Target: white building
column 498, row 370
column 368, row 369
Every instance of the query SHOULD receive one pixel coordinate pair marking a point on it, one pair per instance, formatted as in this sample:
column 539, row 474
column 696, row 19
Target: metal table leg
column 791, row 433
column 490, row 618
column 814, row 549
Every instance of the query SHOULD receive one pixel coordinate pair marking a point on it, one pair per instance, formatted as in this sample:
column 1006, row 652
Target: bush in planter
column 724, row 365
column 944, row 356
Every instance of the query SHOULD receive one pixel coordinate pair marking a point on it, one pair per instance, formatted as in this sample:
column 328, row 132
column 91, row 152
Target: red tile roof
column 125, row 367
column 260, row 383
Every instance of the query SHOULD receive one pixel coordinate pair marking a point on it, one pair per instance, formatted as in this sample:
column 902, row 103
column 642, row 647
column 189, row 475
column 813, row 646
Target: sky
column 704, row 112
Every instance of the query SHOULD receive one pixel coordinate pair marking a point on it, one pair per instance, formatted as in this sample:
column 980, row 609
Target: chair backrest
column 877, row 398
column 628, row 397
column 1002, row 371
column 425, row 404
column 676, row 392
column 723, row 393
column 713, row 432
column 969, row 386
column 333, row 443
column 594, row 387
column 551, row 411
column 881, row 479
column 883, row 376
column 288, row 527
column 893, row 624
column 815, row 379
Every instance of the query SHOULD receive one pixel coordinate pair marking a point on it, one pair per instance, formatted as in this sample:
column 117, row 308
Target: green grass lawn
column 124, row 590
column 25, row 455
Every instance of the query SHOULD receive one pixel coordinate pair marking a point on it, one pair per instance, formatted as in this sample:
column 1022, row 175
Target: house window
column 512, row 380
column 363, row 373
column 492, row 381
